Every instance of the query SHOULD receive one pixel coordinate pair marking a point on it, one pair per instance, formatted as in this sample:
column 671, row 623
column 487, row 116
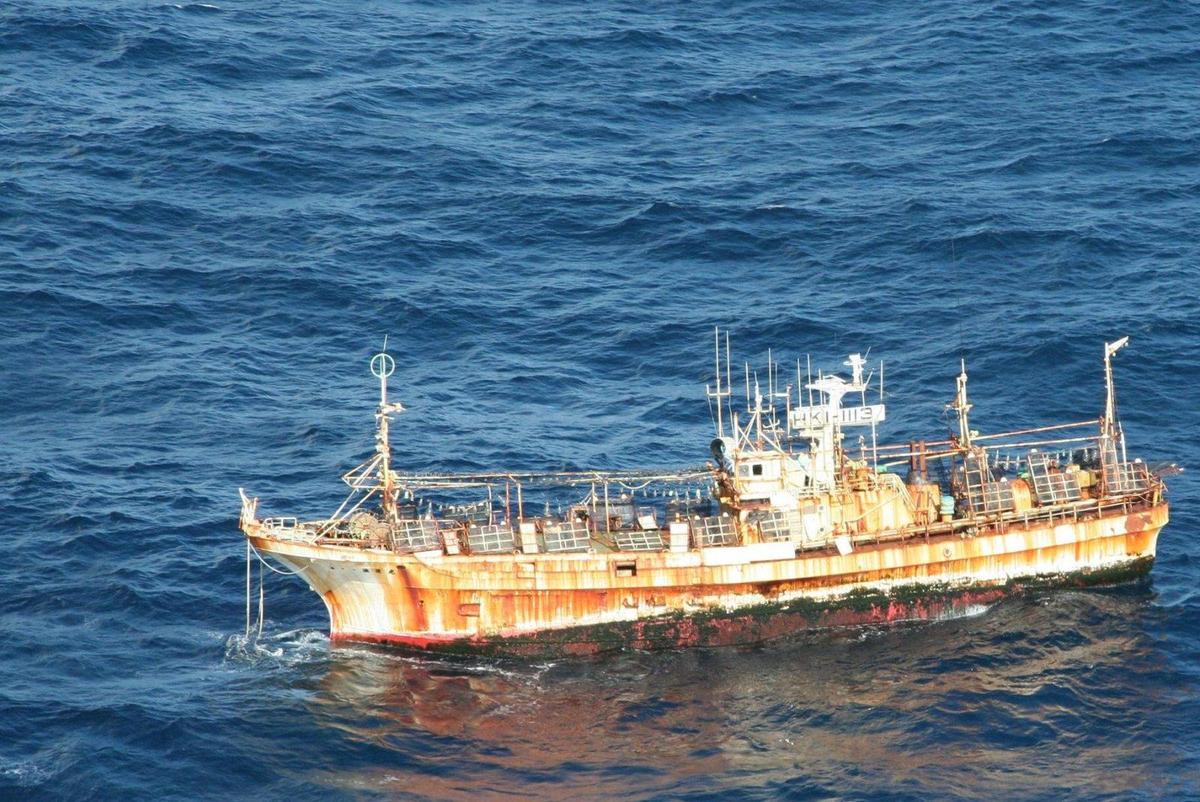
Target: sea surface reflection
column 1009, row 696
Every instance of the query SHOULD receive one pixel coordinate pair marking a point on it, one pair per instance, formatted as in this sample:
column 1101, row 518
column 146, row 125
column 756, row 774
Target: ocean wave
column 212, row 215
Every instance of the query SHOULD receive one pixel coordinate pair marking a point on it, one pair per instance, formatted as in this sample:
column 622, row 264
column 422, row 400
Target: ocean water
column 212, row 213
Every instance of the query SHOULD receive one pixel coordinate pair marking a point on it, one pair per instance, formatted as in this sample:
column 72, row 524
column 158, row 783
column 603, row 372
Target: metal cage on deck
column 774, row 525
column 567, row 537
column 490, row 539
column 639, row 540
column 716, row 530
column 1050, row 485
column 416, row 535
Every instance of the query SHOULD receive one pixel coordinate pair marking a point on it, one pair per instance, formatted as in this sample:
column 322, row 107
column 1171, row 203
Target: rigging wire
column 268, row 565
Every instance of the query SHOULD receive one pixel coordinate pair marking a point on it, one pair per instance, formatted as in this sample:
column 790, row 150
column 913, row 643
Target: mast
column 1110, row 401
column 962, row 407
column 382, row 366
column 1110, row 432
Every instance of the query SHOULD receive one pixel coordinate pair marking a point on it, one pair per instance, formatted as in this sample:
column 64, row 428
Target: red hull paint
column 730, row 629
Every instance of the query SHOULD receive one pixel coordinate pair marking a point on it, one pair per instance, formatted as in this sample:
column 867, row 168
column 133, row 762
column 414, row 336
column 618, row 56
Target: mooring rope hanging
column 261, row 596
column 268, row 565
column 248, row 564
column 261, row 591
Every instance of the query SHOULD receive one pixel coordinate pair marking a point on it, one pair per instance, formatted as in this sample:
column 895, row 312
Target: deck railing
column 434, row 535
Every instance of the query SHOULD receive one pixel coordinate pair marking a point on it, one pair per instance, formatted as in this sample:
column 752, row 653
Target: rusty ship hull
column 547, row 604
column 790, row 527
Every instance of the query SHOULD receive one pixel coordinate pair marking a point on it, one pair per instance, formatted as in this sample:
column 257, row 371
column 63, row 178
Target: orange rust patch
column 469, row 597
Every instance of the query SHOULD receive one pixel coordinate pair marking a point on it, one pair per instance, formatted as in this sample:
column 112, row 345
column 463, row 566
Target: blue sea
column 211, row 215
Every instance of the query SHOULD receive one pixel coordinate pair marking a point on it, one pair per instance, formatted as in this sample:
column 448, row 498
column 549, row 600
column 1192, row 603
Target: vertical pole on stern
column 1110, row 429
column 1110, row 401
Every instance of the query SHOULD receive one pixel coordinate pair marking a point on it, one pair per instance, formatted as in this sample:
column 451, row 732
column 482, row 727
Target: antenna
column 770, row 382
column 756, row 414
column 720, row 393
column 717, row 351
column 799, row 385
column 787, row 412
column 382, row 366
column 856, row 363
column 772, row 388
column 728, row 381
column 810, row 398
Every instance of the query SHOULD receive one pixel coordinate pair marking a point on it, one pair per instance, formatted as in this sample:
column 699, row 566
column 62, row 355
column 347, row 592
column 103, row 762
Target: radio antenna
column 728, row 380
column 720, row 393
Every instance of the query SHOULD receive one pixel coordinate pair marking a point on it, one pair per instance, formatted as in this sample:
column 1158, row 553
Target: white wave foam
column 25, row 774
column 289, row 648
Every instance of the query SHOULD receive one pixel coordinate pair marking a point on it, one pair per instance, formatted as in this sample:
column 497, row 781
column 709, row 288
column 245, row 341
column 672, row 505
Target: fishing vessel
column 799, row 519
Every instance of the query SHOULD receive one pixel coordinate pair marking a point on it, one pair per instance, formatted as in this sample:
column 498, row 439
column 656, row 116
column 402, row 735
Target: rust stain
column 335, row 614
column 415, row 609
column 488, row 597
